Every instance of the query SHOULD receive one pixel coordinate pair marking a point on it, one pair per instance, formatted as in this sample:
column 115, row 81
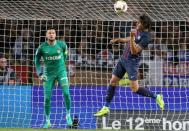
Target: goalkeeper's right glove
column 42, row 77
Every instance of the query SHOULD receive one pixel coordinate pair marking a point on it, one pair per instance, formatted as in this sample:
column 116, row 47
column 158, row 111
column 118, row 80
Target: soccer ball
column 120, row 6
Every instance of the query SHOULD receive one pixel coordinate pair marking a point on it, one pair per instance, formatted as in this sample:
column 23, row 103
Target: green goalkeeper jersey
column 54, row 57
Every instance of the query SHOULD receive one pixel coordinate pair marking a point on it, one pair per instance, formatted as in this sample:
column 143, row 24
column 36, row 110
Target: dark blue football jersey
column 142, row 39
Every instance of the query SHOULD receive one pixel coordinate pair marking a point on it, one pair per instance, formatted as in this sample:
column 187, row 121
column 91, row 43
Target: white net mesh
column 93, row 9
column 87, row 26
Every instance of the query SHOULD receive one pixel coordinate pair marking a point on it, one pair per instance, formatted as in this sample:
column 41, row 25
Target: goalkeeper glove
column 42, row 77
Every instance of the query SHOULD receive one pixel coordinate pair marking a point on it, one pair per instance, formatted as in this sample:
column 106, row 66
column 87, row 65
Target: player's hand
column 113, row 41
column 43, row 77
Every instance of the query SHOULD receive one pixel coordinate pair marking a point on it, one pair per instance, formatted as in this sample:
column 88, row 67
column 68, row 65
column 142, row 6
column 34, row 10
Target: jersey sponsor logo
column 139, row 37
column 132, row 77
column 53, row 57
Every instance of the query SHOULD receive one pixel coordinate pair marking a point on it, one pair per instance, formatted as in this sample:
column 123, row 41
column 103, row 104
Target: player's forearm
column 37, row 65
column 65, row 55
column 133, row 47
column 121, row 40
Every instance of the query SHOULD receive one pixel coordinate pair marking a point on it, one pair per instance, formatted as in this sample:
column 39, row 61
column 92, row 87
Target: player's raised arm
column 120, row 40
column 135, row 49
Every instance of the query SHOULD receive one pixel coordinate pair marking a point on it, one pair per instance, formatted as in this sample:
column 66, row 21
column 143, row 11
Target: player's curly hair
column 146, row 21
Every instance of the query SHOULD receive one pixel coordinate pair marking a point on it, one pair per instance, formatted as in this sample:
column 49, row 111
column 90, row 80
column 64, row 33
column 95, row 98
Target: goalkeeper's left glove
column 42, row 77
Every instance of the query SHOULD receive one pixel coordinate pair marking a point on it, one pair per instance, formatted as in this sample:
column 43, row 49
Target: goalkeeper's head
column 51, row 34
column 144, row 23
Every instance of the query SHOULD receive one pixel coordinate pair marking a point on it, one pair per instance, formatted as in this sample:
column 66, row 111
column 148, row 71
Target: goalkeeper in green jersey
column 54, row 54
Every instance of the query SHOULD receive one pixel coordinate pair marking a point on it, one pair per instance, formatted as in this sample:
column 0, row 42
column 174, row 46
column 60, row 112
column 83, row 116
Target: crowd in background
column 87, row 41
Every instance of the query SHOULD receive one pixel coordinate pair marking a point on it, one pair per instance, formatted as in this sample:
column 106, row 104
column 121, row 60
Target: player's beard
column 51, row 40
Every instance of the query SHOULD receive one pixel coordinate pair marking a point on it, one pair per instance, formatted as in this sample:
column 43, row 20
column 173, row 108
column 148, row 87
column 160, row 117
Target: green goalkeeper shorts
column 61, row 77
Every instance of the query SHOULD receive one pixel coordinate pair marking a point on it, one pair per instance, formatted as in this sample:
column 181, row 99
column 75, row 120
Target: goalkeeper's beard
column 51, row 40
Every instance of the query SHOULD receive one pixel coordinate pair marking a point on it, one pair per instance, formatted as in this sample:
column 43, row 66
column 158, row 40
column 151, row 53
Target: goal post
column 87, row 26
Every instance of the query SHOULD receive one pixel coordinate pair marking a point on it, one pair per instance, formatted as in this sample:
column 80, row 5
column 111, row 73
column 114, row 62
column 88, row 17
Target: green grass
column 31, row 129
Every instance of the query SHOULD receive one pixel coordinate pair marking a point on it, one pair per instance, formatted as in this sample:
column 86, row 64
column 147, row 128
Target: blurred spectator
column 116, row 47
column 80, row 55
column 23, row 52
column 10, row 35
column 23, row 49
column 116, row 51
column 71, row 33
column 183, row 53
column 143, row 74
column 67, row 36
column 2, row 33
column 7, row 75
column 157, row 47
column 71, row 68
column 160, row 49
column 173, row 42
column 105, row 58
column 101, row 39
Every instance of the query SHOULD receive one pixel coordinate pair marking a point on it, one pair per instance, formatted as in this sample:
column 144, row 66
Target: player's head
column 51, row 34
column 143, row 23
column 3, row 62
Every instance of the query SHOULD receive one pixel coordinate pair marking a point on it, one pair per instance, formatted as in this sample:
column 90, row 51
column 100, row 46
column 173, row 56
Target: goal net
column 87, row 26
